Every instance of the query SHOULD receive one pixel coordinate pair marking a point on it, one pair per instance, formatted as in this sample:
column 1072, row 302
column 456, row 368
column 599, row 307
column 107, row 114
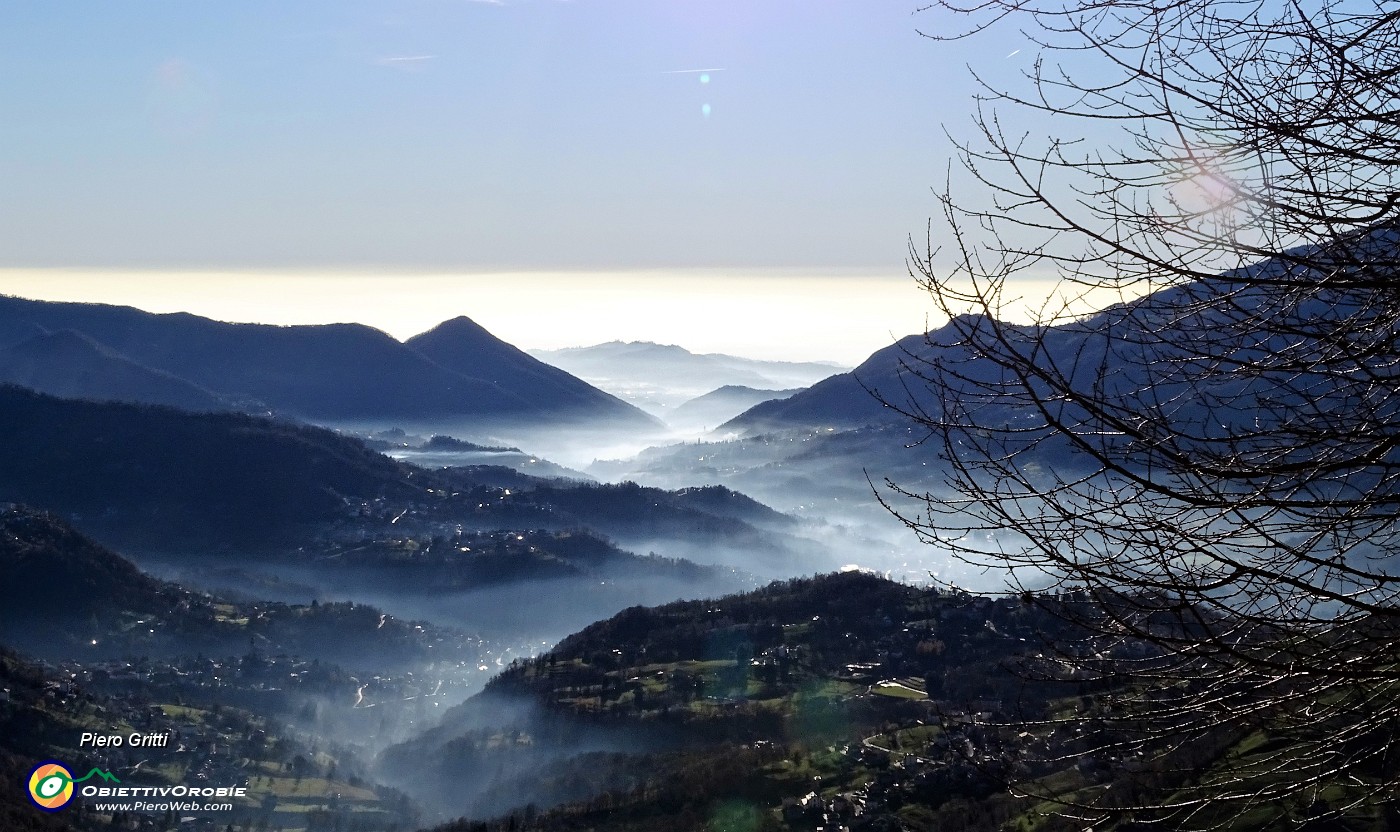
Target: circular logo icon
column 50, row 786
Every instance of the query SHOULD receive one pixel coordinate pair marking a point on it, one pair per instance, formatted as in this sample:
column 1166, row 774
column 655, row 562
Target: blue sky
column 518, row 136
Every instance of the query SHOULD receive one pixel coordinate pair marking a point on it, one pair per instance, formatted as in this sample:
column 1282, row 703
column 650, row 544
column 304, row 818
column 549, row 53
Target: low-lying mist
column 500, row 751
column 828, row 479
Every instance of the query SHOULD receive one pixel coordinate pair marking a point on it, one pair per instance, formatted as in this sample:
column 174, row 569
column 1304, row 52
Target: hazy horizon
column 763, row 314
column 722, row 176
column 835, row 316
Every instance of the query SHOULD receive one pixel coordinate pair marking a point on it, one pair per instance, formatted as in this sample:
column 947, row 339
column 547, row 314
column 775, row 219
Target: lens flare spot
column 180, row 105
column 705, row 110
column 704, row 77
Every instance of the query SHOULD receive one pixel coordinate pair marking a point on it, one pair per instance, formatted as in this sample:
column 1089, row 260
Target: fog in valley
column 511, row 416
column 355, row 553
column 349, row 555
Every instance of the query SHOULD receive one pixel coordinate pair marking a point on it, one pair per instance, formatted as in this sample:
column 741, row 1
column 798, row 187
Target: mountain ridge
column 71, row 364
column 462, row 345
column 664, row 376
column 321, row 372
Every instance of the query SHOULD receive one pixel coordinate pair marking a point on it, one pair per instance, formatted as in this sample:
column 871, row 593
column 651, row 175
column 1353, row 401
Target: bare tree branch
column 1210, row 467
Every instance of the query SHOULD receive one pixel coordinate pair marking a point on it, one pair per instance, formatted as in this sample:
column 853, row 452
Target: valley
column 313, row 600
column 377, row 620
column 634, row 416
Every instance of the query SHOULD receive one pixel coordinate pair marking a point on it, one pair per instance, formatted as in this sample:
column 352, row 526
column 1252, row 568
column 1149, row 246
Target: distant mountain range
column 1141, row 353
column 322, row 373
column 720, row 405
column 663, row 376
column 820, row 448
column 834, row 438
column 832, row 441
column 872, row 394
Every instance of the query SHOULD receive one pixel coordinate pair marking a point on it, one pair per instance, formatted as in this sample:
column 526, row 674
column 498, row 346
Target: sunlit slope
column 667, row 712
column 844, row 701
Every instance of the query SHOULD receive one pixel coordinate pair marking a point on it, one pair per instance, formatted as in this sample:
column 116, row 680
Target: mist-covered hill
column 667, row 713
column 465, row 347
column 720, row 405
column 198, row 479
column 710, row 525
column 841, row 701
column 256, row 505
column 290, row 776
column 335, row 372
column 661, row 377
column 873, row 393
column 66, row 597
column 285, row 700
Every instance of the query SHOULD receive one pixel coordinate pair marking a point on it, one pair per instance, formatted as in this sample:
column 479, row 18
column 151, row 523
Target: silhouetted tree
column 1210, row 467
